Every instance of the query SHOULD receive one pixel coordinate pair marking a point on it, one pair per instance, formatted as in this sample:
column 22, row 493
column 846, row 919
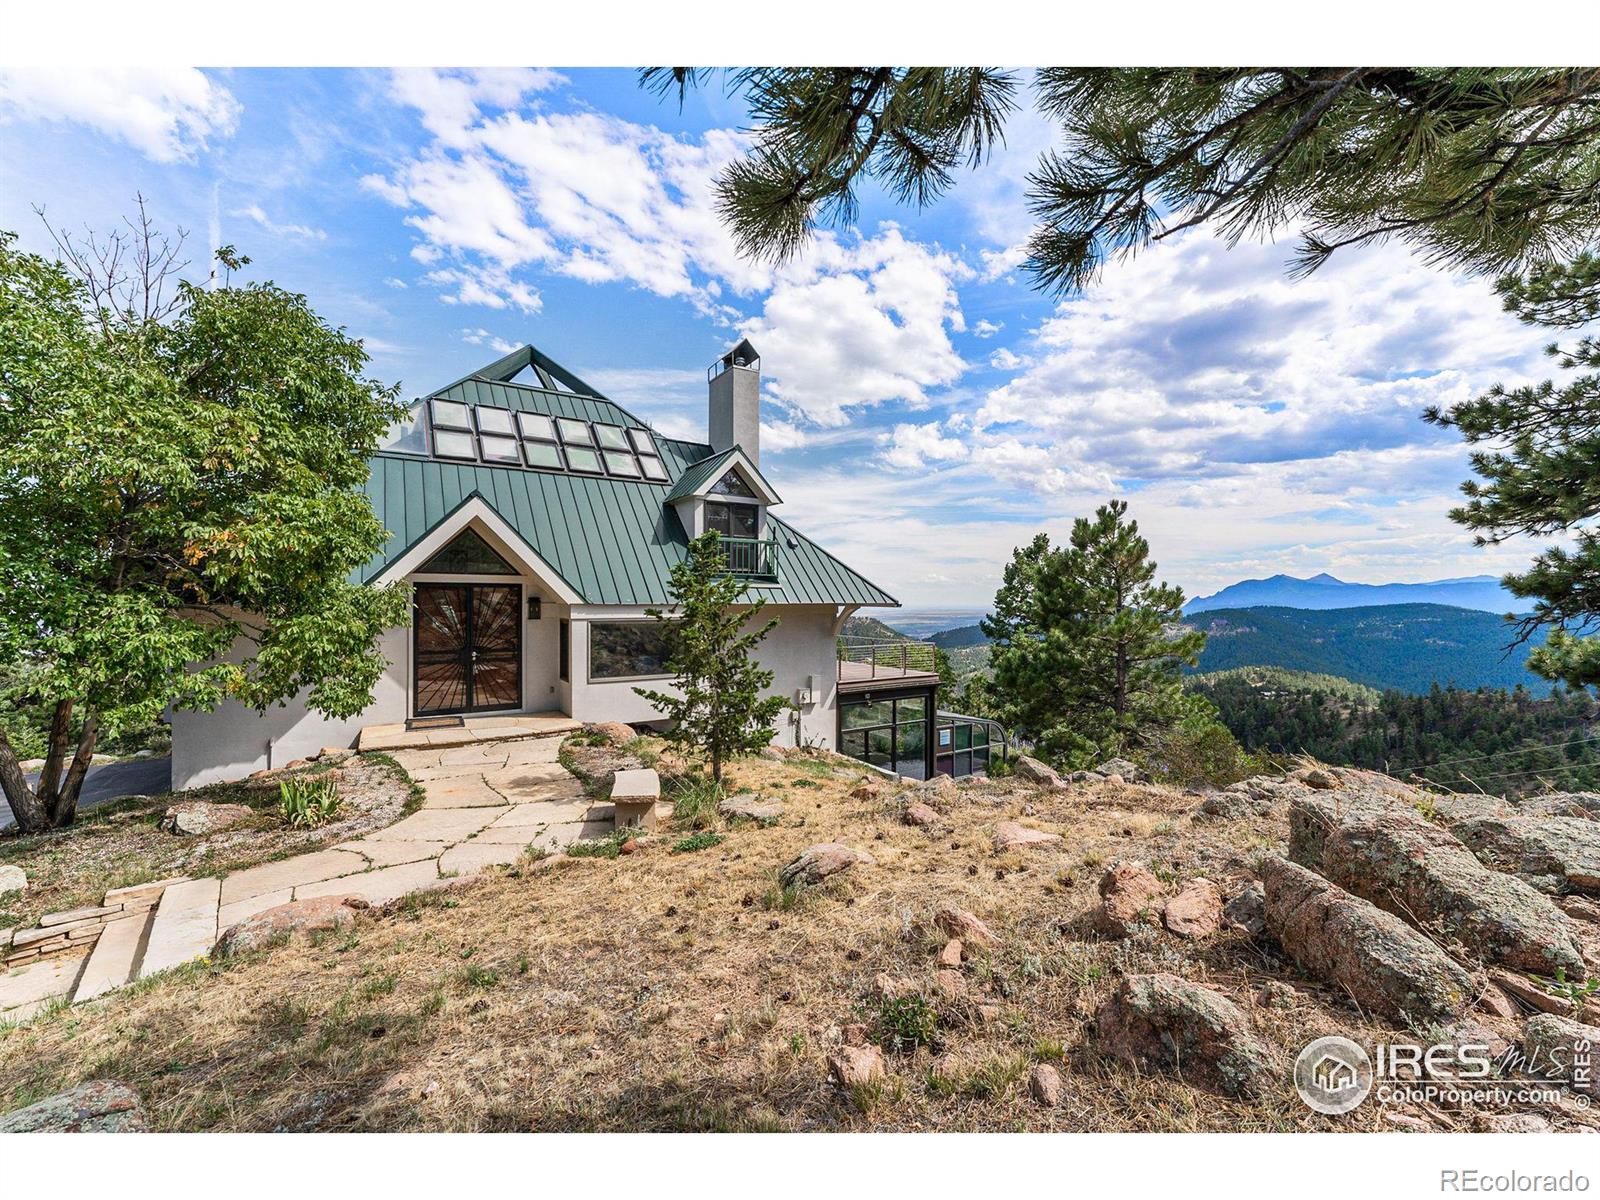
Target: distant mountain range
column 1404, row 646
column 1481, row 592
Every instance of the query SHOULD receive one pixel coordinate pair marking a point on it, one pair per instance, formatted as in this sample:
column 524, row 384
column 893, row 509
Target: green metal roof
column 703, row 473
column 612, row 541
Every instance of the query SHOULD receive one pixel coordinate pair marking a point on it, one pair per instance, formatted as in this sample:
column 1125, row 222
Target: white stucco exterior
column 232, row 741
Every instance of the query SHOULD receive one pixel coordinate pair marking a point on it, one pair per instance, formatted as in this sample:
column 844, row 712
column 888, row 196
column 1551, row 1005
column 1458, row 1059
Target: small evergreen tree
column 721, row 711
column 1097, row 670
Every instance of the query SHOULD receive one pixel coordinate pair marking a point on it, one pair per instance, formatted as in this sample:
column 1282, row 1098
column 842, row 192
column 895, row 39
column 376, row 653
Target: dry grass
column 120, row 843
column 662, row 991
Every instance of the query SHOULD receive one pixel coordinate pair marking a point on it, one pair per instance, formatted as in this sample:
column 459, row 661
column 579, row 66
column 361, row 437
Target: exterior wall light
column 534, row 604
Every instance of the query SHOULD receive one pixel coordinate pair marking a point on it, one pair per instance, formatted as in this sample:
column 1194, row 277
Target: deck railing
column 755, row 558
column 888, row 656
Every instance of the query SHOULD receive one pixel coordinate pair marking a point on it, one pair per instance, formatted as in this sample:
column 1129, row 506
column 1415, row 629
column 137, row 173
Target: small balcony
column 751, row 558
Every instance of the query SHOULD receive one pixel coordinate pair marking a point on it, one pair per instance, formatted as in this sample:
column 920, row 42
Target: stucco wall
column 232, row 741
column 799, row 651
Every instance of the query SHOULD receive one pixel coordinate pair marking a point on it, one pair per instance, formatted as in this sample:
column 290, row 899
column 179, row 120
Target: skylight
column 540, row 442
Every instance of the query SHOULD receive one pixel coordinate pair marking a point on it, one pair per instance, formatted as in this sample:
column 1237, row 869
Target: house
column 536, row 522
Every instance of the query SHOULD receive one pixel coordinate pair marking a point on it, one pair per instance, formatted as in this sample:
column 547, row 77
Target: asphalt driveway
column 135, row 777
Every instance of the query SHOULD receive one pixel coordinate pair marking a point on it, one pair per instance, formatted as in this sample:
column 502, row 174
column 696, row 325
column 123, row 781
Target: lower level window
column 892, row 733
column 627, row 649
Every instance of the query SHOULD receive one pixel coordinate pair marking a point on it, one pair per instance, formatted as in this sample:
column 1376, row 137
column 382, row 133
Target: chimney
column 735, row 411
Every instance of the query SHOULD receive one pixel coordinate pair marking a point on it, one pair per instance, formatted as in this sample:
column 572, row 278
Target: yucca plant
column 307, row 803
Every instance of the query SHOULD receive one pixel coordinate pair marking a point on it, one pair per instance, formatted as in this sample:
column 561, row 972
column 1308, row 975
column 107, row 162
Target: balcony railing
column 883, row 657
column 751, row 558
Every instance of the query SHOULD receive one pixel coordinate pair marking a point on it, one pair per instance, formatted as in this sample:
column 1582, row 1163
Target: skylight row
column 479, row 433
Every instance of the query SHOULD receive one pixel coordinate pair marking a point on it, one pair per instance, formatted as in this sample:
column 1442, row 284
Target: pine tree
column 720, row 710
column 1540, row 470
column 1492, row 169
column 1102, row 675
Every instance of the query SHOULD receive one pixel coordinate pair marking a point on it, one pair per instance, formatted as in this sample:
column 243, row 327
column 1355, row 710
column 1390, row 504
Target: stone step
column 116, row 957
column 184, row 927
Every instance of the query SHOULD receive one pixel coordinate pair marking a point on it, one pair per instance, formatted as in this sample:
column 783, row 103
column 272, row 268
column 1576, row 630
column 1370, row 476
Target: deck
column 864, row 676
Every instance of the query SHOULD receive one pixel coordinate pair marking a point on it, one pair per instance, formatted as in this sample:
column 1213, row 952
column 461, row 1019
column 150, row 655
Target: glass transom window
column 733, row 484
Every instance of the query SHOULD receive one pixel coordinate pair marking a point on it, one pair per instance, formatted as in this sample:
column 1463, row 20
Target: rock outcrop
column 1553, row 1044
column 816, row 863
column 856, row 1066
column 1010, row 835
column 103, row 1106
column 1384, row 964
column 1421, row 873
column 1196, row 911
column 1130, row 895
column 195, row 818
column 1554, row 854
column 1165, row 1023
column 958, row 923
column 284, row 921
column 1032, row 770
column 751, row 807
column 1248, row 910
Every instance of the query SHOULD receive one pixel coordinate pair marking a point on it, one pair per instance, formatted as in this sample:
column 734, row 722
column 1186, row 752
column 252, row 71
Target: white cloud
column 1195, row 356
column 397, row 284
column 1004, row 359
column 987, row 328
column 915, row 446
column 861, row 323
column 482, row 337
column 257, row 214
column 507, row 189
column 166, row 113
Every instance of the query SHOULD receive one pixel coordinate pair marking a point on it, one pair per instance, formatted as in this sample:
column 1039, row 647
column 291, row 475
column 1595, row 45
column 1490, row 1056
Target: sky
column 925, row 409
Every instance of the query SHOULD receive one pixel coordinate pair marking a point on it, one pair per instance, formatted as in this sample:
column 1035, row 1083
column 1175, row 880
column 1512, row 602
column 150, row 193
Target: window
column 581, row 458
column 467, row 554
column 652, row 468
column 536, row 426
column 542, row 454
column 622, row 464
column 890, row 733
column 407, row 435
column 499, row 449
column 447, row 414
column 448, row 444
column 574, row 432
column 627, row 649
column 733, row 484
column 494, row 420
column 565, row 651
column 732, row 520
column 611, row 437
column 642, row 441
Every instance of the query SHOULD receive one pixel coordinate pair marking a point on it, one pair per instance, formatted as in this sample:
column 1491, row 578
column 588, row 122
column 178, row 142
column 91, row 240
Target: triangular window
column 467, row 554
column 733, row 484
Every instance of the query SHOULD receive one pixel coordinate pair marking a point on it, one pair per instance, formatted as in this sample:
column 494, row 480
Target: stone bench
column 635, row 795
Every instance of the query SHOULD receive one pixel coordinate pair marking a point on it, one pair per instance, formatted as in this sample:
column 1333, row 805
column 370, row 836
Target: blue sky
column 925, row 409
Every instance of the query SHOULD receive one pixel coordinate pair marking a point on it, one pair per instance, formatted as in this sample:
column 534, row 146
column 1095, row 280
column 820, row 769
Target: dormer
column 728, row 494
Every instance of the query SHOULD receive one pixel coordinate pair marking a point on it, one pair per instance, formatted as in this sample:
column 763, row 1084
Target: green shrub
column 603, row 847
column 703, row 840
column 307, row 803
column 907, row 1022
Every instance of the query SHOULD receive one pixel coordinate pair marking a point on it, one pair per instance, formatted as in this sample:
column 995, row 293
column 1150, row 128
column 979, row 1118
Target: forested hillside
column 1410, row 647
column 1489, row 738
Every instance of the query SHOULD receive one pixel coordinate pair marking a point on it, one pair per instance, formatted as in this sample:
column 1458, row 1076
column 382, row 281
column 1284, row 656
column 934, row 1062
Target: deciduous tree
column 180, row 503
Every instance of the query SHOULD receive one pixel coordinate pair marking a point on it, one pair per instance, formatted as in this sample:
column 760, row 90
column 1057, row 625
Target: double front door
column 468, row 647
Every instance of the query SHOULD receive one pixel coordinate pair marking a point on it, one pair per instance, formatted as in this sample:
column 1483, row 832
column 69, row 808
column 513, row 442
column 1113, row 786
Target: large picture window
column 628, row 649
column 890, row 733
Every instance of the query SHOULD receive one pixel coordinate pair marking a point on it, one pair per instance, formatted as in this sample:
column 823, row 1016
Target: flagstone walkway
column 485, row 804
